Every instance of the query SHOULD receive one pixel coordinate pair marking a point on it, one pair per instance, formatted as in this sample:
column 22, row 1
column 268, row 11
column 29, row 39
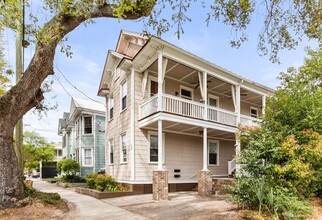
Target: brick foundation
column 204, row 183
column 160, row 185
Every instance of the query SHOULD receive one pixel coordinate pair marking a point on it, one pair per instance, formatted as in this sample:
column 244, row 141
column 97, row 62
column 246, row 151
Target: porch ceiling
column 187, row 129
column 189, row 77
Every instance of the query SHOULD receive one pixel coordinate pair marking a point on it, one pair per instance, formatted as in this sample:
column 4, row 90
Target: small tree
column 68, row 166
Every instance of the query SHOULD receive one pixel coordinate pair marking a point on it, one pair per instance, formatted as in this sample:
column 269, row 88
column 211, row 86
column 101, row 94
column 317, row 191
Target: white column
column 160, row 80
column 132, row 125
column 205, row 150
column 238, row 104
column 263, row 104
column 160, row 146
column 205, row 95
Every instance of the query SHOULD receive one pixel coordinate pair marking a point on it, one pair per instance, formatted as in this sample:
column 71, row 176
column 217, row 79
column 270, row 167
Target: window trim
column 121, row 149
column 218, row 150
column 188, row 89
column 210, row 96
column 83, row 123
column 250, row 111
column 155, row 79
column 83, row 157
column 121, row 97
column 109, row 151
column 155, row 133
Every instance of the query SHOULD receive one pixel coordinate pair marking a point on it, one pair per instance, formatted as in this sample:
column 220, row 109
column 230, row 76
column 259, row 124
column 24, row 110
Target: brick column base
column 204, row 183
column 160, row 185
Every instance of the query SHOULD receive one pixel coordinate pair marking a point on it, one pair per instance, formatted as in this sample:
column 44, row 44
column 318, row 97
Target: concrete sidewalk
column 86, row 207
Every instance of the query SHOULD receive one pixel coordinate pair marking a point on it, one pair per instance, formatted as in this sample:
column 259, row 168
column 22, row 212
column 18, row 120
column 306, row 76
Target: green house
column 83, row 134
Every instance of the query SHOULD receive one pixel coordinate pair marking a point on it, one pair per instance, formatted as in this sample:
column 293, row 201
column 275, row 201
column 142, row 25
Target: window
column 154, row 148
column 123, row 150
column 213, row 152
column 254, row 112
column 152, row 86
column 111, row 106
column 123, row 95
column 186, row 93
column 88, row 157
column 87, row 124
column 111, row 144
column 213, row 100
column 59, row 153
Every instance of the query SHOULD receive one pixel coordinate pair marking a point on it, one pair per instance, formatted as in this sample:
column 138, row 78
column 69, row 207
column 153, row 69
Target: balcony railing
column 193, row 109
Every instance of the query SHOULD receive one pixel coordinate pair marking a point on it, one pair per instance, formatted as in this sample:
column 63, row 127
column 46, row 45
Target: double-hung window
column 154, row 146
column 111, row 144
column 87, row 124
column 213, row 152
column 123, row 95
column 123, row 150
column 111, row 106
column 88, row 157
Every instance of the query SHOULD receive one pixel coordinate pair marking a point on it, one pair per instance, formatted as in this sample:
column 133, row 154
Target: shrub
column 258, row 193
column 104, row 183
column 68, row 166
column 72, row 179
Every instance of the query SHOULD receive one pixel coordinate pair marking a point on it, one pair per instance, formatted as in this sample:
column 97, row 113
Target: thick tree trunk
column 27, row 93
column 11, row 185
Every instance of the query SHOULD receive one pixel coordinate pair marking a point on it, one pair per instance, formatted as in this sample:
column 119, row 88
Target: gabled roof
column 79, row 105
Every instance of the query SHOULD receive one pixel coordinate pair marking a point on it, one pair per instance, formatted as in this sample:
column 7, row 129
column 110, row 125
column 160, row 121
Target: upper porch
column 182, row 92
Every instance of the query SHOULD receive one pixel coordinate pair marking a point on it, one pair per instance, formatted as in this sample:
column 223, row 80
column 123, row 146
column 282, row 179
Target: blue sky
column 90, row 45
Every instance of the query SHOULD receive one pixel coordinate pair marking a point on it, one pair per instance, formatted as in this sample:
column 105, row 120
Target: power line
column 74, row 85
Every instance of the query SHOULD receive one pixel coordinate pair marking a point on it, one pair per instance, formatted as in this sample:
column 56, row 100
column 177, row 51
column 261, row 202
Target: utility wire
column 74, row 85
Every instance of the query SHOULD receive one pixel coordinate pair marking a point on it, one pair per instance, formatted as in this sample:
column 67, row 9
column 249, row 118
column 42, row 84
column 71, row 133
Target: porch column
column 263, row 104
column 238, row 104
column 132, row 124
column 205, row 95
column 204, row 175
column 160, row 146
column 205, row 149
column 160, row 176
column 160, row 80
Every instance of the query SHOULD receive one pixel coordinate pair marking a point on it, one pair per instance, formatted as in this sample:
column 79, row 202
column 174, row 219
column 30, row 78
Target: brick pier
column 204, row 183
column 160, row 185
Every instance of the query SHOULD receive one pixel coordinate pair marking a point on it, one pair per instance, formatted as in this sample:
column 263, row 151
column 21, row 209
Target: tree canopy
column 36, row 149
column 283, row 157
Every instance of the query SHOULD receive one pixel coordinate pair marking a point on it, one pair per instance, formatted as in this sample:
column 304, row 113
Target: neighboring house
column 172, row 117
column 83, row 131
column 58, row 151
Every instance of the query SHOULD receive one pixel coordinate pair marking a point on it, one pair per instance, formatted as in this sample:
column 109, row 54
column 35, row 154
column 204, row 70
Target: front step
column 219, row 185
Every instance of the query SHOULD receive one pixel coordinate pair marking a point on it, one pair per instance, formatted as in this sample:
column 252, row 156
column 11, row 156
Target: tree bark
column 27, row 93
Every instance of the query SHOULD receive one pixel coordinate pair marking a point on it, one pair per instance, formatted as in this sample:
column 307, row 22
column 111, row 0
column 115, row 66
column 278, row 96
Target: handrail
column 193, row 176
column 183, row 100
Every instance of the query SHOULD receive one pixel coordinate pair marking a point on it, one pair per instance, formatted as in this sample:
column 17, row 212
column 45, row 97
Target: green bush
column 259, row 194
column 104, row 183
column 72, row 179
column 68, row 166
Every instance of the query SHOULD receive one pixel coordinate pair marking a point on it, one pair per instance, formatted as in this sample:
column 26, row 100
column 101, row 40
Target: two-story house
column 172, row 117
column 83, row 134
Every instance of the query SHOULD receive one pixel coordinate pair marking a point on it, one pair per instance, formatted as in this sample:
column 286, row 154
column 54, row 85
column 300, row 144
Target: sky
column 90, row 45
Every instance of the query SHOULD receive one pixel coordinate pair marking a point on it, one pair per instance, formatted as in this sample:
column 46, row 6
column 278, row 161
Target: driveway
column 181, row 205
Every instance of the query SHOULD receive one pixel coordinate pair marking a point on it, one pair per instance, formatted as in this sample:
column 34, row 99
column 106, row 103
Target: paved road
column 86, row 207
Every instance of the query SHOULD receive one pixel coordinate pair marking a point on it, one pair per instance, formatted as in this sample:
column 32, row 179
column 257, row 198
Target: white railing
column 182, row 106
column 221, row 116
column 148, row 107
column 231, row 167
column 247, row 120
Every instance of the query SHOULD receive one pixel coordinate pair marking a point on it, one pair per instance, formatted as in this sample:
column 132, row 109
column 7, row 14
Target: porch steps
column 219, row 185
